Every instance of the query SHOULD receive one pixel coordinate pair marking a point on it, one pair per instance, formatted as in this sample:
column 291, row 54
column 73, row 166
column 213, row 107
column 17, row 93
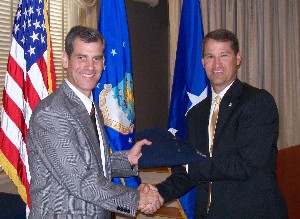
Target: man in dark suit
column 238, row 178
column 69, row 159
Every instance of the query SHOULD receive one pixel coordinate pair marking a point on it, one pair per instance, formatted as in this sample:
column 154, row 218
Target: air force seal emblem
column 117, row 105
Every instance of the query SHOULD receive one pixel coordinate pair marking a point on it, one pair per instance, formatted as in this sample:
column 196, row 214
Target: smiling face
column 220, row 63
column 84, row 65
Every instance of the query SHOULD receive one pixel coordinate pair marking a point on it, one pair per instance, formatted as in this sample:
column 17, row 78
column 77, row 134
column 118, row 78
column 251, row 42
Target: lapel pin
column 230, row 104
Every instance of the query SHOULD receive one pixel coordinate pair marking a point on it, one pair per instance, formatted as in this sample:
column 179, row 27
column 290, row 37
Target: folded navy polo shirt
column 166, row 149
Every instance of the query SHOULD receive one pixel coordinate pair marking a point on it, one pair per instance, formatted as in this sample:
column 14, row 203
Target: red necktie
column 93, row 118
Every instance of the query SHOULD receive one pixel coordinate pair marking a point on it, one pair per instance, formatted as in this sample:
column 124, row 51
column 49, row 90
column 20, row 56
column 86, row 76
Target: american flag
column 29, row 78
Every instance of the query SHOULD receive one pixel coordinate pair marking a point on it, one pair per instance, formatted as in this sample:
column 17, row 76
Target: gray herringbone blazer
column 67, row 178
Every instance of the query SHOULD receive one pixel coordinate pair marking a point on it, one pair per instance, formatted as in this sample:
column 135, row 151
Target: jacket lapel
column 198, row 119
column 103, row 134
column 228, row 103
column 81, row 116
column 205, row 114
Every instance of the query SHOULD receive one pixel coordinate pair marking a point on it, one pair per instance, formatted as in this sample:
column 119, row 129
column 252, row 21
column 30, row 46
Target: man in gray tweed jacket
column 71, row 167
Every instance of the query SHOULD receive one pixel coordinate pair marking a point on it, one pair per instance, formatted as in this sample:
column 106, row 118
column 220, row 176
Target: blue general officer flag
column 114, row 91
column 190, row 84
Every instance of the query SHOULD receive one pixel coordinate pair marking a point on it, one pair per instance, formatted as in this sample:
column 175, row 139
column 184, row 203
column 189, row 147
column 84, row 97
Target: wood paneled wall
column 288, row 173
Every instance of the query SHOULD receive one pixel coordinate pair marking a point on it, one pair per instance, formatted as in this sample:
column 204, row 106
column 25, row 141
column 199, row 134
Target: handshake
column 150, row 199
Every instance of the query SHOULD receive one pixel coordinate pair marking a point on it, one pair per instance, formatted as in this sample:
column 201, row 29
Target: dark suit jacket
column 67, row 179
column 242, row 169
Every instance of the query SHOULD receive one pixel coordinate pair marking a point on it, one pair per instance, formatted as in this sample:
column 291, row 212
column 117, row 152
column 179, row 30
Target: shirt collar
column 221, row 94
column 87, row 101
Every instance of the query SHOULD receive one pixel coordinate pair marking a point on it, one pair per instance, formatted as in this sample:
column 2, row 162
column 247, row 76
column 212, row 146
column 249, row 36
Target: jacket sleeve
column 176, row 185
column 120, row 165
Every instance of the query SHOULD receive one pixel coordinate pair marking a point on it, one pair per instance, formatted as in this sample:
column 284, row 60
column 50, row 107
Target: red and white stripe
column 22, row 91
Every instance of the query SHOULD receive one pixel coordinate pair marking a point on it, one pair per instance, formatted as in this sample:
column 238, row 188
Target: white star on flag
column 196, row 99
column 31, row 50
column 34, row 36
column 113, row 52
column 36, row 24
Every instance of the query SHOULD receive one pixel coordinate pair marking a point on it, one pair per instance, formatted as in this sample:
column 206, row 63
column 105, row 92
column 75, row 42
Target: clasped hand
column 150, row 199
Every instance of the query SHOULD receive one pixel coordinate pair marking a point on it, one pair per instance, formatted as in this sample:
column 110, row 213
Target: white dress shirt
column 212, row 106
column 88, row 105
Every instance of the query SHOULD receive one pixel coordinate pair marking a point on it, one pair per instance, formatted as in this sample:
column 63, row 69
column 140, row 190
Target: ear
column 64, row 60
column 238, row 59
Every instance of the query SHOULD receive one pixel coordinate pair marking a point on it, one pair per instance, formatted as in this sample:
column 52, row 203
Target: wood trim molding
column 85, row 4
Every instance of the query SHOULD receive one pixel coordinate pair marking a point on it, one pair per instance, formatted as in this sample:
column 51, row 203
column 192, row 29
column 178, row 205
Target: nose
column 89, row 64
column 217, row 62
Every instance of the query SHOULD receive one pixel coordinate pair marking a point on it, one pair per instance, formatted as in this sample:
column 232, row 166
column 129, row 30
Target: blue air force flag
column 114, row 91
column 190, row 84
